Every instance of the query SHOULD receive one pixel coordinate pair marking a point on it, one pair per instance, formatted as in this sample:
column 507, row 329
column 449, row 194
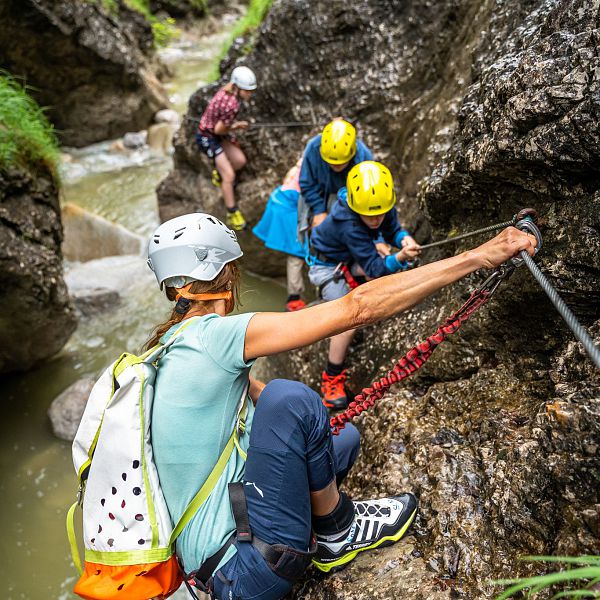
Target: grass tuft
column 582, row 572
column 26, row 136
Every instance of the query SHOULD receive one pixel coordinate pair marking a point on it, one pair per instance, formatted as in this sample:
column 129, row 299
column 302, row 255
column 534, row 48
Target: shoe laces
column 332, row 384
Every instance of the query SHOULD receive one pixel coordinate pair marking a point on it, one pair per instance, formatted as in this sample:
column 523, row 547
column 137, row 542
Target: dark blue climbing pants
column 291, row 454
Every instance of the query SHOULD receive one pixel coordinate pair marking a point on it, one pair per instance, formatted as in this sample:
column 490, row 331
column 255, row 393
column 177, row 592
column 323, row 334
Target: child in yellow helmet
column 363, row 214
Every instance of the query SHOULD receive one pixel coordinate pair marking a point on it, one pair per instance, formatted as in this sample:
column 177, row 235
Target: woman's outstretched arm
column 270, row 333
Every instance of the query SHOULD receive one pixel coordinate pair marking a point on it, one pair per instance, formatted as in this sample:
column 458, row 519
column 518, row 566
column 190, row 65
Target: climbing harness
column 285, row 561
column 415, row 358
column 343, row 271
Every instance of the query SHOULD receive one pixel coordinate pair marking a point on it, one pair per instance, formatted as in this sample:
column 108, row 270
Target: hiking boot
column 215, row 178
column 333, row 390
column 236, row 220
column 377, row 523
column 293, row 305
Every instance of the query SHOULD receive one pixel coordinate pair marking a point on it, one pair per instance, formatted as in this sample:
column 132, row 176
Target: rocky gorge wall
column 93, row 70
column 37, row 316
column 480, row 108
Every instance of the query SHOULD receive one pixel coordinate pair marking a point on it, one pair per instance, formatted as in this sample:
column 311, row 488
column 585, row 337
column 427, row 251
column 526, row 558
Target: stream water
column 37, row 482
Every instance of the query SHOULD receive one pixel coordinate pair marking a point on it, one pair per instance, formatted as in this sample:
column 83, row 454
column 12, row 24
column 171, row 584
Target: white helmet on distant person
column 189, row 248
column 244, row 78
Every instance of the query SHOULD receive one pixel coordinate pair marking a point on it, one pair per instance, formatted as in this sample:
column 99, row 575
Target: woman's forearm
column 387, row 296
column 269, row 333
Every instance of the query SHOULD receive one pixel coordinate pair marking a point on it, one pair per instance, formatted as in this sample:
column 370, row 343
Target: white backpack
column 128, row 535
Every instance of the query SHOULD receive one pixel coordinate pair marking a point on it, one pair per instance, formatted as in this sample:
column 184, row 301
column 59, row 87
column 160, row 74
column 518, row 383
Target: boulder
column 94, row 70
column 88, row 236
column 67, row 408
column 91, row 301
column 37, row 317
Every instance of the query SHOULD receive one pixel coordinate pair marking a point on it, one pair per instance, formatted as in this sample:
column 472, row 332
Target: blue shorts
column 210, row 145
column 291, row 453
column 322, row 277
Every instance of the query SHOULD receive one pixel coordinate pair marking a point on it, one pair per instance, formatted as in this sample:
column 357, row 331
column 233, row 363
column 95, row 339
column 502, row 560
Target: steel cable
column 466, row 235
column 576, row 327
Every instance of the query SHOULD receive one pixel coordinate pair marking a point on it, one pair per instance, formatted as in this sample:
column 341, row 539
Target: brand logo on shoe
column 357, row 546
column 351, row 533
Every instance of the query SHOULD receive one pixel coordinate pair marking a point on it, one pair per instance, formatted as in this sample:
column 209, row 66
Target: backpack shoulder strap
column 151, row 355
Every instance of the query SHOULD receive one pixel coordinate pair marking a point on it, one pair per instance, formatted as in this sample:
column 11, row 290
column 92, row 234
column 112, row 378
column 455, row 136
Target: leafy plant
column 582, row 572
column 26, row 135
column 257, row 11
column 164, row 31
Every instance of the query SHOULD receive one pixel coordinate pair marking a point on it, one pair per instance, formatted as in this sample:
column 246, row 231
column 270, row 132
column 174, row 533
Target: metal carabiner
column 497, row 276
column 526, row 224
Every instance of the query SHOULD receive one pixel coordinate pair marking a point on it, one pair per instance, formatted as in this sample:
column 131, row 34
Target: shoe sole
column 342, row 405
column 382, row 543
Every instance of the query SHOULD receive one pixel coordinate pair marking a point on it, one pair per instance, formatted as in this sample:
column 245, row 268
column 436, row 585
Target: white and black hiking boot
column 377, row 523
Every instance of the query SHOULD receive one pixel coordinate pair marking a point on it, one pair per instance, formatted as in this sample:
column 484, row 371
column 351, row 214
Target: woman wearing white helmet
column 257, row 545
column 215, row 139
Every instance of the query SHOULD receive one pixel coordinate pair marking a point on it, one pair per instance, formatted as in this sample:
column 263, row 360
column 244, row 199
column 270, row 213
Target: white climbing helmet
column 189, row 248
column 244, row 78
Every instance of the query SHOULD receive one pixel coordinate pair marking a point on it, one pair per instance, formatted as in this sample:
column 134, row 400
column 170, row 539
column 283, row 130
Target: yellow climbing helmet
column 338, row 142
column 370, row 188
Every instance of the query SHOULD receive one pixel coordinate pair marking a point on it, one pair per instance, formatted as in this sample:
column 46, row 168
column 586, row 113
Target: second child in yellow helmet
column 363, row 215
column 328, row 158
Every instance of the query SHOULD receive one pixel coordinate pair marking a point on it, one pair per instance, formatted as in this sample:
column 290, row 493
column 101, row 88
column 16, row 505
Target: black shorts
column 210, row 145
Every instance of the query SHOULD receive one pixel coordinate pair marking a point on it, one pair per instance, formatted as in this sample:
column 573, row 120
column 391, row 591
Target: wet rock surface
column 67, row 408
column 480, row 109
column 37, row 317
column 92, row 69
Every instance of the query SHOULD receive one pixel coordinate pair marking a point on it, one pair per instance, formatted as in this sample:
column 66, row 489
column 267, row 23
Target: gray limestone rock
column 37, row 317
column 93, row 70
column 67, row 408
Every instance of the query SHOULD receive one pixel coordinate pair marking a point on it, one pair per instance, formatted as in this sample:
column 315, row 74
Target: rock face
column 93, row 70
column 480, row 108
column 37, row 318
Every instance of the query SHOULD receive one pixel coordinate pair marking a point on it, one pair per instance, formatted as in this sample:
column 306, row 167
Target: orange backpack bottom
column 130, row 582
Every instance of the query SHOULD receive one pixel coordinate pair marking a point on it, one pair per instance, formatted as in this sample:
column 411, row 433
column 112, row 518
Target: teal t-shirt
column 198, row 387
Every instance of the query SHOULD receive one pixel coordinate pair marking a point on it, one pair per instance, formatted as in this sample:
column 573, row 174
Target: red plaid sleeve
column 227, row 109
column 223, row 107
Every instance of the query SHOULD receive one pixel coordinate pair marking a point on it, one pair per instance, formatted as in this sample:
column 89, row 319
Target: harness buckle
column 80, row 493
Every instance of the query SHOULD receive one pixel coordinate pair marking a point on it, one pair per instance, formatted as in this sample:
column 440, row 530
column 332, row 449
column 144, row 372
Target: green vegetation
column 583, row 572
column 257, row 11
column 163, row 30
column 26, row 135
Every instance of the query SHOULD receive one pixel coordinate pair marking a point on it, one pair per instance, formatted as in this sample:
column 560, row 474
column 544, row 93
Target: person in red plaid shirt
column 214, row 137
